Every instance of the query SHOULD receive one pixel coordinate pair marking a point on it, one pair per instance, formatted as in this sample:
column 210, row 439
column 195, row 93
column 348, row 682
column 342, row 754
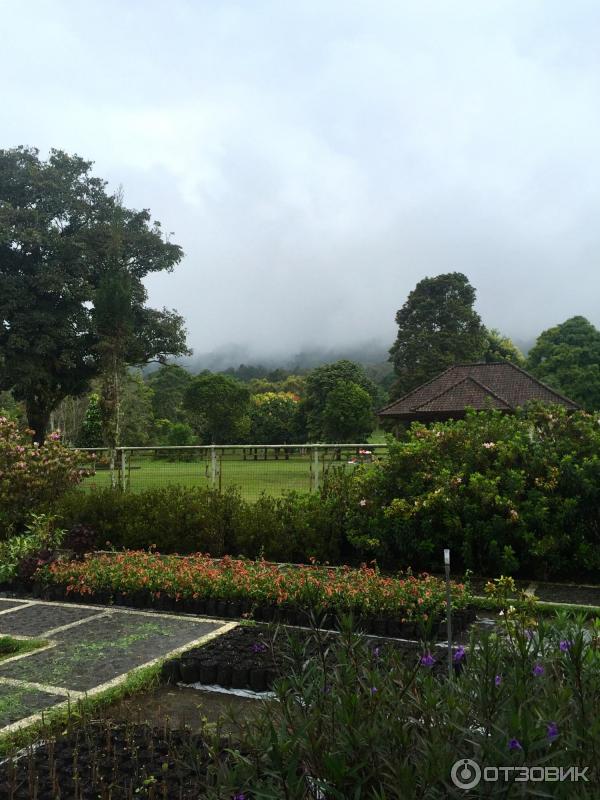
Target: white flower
column 489, row 445
column 363, row 502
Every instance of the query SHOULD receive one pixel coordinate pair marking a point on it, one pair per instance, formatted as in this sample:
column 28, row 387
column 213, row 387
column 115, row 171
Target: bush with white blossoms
column 31, row 476
column 518, row 493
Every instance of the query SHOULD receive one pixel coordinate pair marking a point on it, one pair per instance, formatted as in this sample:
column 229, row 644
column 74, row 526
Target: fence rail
column 254, row 469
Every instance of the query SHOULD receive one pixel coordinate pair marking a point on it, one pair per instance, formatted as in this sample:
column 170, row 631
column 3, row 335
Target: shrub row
column 200, row 584
column 178, row 519
column 516, row 494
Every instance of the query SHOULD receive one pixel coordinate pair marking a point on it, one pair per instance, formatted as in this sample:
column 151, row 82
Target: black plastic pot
column 190, row 670
column 208, row 673
column 222, row 608
column 233, row 609
column 211, row 607
column 239, row 677
column 258, row 679
column 224, row 675
column 170, row 671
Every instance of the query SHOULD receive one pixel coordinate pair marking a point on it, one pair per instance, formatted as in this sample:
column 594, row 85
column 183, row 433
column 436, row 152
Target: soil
column 98, row 761
column 184, row 707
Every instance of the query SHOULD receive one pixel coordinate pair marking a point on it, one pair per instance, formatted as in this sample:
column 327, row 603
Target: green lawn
column 252, row 477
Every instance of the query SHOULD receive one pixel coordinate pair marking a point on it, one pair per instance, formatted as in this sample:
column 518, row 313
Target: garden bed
column 404, row 607
column 252, row 657
column 107, row 760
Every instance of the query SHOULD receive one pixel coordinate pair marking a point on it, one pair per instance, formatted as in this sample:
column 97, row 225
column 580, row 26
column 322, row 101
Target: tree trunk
column 38, row 418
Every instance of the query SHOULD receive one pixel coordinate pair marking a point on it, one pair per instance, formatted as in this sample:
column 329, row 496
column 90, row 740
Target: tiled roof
column 498, row 385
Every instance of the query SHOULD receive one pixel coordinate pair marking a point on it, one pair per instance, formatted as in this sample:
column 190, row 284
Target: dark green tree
column 348, row 413
column 169, row 384
column 501, row 348
column 65, row 243
column 567, row 358
column 48, row 211
column 218, row 406
column 274, row 419
column 321, row 381
column 136, row 417
column 437, row 327
column 91, row 429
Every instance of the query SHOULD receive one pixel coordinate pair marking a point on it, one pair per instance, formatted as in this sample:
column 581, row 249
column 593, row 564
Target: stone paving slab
column 5, row 604
column 100, row 646
column 17, row 702
column 36, row 619
column 99, row 650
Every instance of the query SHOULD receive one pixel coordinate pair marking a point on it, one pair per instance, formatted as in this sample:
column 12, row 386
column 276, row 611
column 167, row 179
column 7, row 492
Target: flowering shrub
column 362, row 590
column 365, row 722
column 20, row 556
column 31, row 477
column 505, row 492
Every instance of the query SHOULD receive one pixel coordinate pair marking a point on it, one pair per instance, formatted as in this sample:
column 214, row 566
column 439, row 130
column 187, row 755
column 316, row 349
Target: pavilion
column 499, row 385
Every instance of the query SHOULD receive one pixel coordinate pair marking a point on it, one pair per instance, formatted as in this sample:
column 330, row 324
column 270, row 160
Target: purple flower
column 259, row 647
column 514, row 744
column 565, row 645
column 427, row 660
column 552, row 731
column 538, row 669
column 459, row 655
column 498, row 680
column 376, row 652
column 373, row 689
column 239, row 796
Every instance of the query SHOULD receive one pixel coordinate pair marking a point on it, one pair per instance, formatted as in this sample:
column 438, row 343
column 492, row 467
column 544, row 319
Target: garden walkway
column 88, row 649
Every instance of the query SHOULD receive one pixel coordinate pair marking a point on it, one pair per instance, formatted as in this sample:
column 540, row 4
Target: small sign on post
column 448, row 609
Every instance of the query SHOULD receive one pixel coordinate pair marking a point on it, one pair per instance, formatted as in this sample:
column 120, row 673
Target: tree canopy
column 567, row 357
column 500, row 348
column 218, row 408
column 64, row 242
column 437, row 327
column 348, row 413
column 323, row 380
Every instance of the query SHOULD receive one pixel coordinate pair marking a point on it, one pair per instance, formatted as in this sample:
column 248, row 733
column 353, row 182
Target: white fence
column 273, row 469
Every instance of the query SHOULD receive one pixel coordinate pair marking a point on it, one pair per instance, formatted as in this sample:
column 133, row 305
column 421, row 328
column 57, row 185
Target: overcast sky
column 316, row 159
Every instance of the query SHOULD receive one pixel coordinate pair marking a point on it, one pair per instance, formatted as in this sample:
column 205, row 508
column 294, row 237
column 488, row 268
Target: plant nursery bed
column 110, row 761
column 405, row 606
column 252, row 657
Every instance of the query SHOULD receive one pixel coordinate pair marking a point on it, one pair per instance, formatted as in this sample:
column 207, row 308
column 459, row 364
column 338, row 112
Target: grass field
column 271, row 476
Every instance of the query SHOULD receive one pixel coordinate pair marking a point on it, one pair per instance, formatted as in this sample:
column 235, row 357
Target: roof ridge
column 458, row 383
column 491, row 391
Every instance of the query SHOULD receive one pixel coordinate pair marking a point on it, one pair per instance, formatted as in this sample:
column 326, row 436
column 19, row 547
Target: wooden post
column 315, row 469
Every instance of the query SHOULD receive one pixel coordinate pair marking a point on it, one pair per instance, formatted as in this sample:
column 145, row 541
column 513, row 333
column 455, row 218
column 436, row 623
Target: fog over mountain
column 315, row 160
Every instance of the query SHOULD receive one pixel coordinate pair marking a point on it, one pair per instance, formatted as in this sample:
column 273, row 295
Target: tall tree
column 321, row 381
column 218, row 406
column 169, row 384
column 567, row 357
column 348, row 413
column 65, row 245
column 500, row 348
column 274, row 418
column 437, row 327
column 47, row 213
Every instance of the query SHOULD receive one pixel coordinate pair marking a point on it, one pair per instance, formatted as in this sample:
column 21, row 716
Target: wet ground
column 184, row 706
